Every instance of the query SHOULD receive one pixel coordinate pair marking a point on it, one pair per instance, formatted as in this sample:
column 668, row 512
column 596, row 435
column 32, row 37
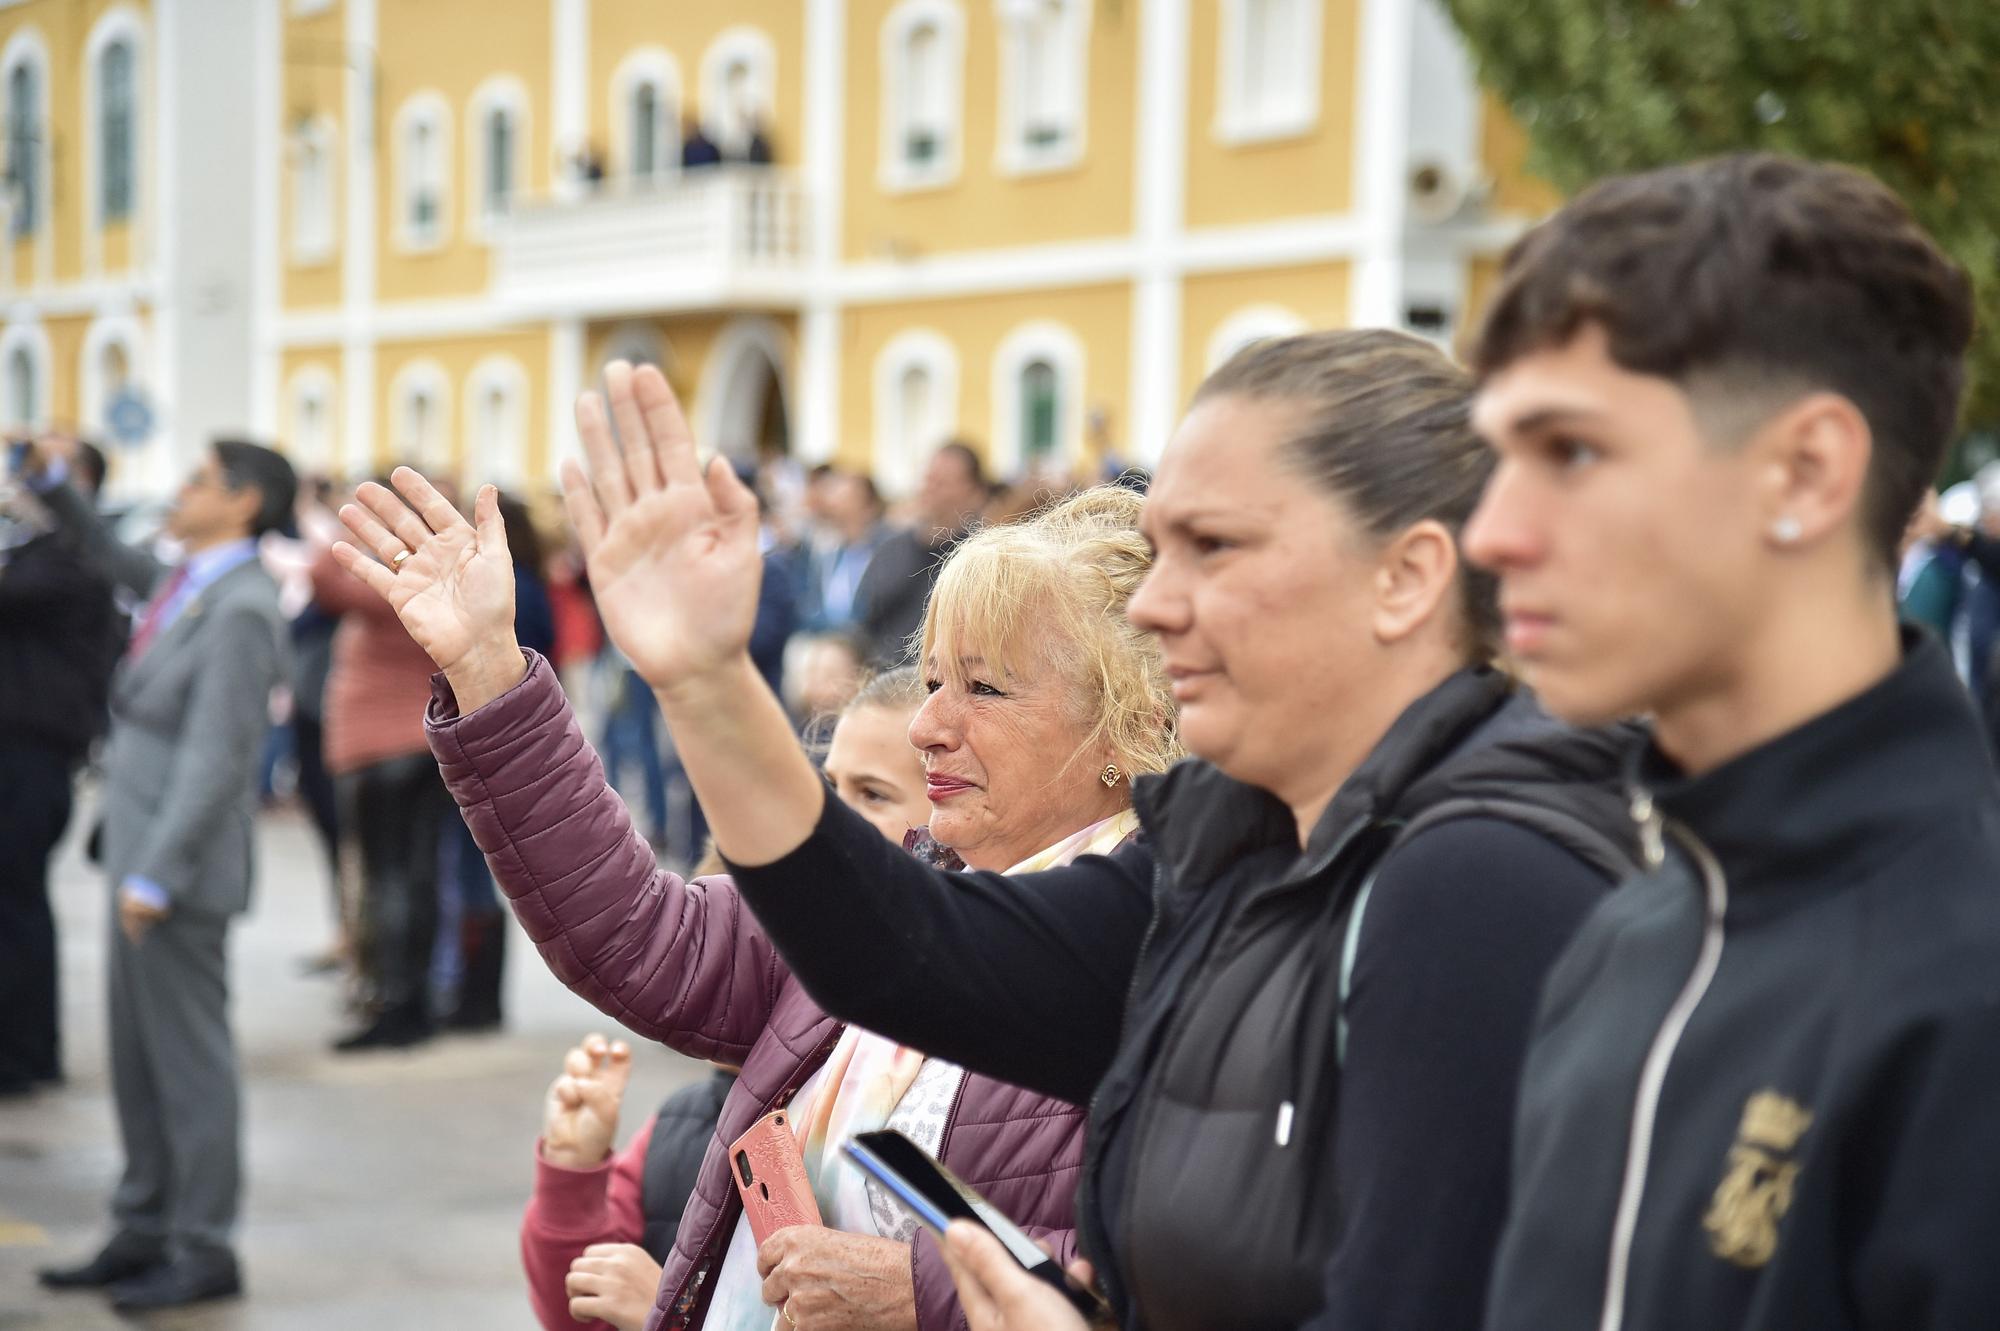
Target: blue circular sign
column 128, row 417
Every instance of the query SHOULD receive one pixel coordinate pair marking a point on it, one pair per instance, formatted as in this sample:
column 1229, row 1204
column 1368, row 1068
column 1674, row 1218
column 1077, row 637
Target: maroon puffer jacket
column 685, row 963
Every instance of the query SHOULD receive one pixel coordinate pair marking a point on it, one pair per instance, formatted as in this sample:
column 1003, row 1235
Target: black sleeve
column 126, row 566
column 1020, row 978
column 1459, row 928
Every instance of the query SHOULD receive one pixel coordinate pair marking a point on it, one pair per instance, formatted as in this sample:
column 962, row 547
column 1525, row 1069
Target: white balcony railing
column 711, row 238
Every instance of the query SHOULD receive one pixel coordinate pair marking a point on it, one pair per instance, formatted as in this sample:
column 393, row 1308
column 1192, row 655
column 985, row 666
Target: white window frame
column 1069, row 50
column 427, row 105
column 754, row 48
column 428, row 377
column 32, row 339
column 306, row 8
column 28, row 47
column 506, row 465
column 1239, row 116
column 503, row 92
column 1251, row 323
column 120, row 23
column 313, row 383
column 653, row 65
column 895, row 173
column 721, row 419
column 903, row 448
column 1039, row 340
column 314, row 235
column 122, row 332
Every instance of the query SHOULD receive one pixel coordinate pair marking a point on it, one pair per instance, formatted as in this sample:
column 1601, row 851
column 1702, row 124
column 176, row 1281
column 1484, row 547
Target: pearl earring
column 1786, row 530
column 1109, row 776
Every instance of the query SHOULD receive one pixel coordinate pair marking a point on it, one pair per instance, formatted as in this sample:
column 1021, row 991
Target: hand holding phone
column 936, row 1196
column 770, row 1175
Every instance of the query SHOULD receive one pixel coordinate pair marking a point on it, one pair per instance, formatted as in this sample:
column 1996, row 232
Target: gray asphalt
column 384, row 1190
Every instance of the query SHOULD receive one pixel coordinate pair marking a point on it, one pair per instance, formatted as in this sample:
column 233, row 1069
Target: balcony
column 714, row 238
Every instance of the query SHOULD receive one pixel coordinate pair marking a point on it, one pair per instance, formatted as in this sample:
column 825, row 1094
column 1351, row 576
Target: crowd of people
column 1467, row 847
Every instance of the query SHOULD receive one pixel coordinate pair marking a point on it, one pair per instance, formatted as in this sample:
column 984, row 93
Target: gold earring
column 1109, row 776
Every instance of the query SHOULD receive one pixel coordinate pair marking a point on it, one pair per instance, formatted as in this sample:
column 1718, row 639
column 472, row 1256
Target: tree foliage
column 1906, row 89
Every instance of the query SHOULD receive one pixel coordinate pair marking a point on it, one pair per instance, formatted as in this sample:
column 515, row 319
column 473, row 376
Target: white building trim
column 124, row 333
column 1053, row 344
column 1258, row 105
column 1160, row 187
column 358, row 244
column 815, row 426
column 422, row 439
column 430, row 110
column 895, row 173
column 724, row 417
column 24, row 335
column 1381, row 162
column 566, row 352
column 270, row 179
column 1063, row 104
column 1252, row 323
column 119, row 23
column 903, row 446
column 503, row 461
column 727, row 124
column 569, row 91
column 314, row 446
column 644, row 65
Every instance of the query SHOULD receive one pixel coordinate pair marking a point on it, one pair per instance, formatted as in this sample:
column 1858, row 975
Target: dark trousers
column 392, row 810
column 34, row 810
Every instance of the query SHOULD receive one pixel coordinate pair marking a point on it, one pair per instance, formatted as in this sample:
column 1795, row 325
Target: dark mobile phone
column 937, row 1197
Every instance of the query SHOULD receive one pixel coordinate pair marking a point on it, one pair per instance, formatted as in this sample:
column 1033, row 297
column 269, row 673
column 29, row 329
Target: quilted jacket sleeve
column 679, row 962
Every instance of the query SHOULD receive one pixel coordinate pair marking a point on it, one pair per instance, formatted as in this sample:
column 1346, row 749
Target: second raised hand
column 671, row 546
column 451, row 583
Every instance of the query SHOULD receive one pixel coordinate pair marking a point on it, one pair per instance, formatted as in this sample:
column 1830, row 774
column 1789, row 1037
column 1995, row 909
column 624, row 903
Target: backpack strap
column 1589, row 844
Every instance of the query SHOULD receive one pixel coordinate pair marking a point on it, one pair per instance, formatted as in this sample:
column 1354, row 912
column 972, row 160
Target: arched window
column 23, row 396
column 312, row 173
column 24, row 146
column 923, row 54
column 1044, row 52
column 498, row 131
column 423, row 179
column 646, row 115
column 739, row 83
column 496, row 416
column 115, row 126
column 1269, row 56
column 1253, row 323
column 422, row 420
column 311, row 425
column 916, row 406
column 1038, row 377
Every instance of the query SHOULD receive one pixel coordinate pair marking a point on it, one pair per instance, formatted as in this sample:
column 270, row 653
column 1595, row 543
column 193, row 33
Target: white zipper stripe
column 1654, row 1075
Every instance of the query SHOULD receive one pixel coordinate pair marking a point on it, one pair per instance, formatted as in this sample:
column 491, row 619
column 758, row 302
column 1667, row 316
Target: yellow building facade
column 1035, row 224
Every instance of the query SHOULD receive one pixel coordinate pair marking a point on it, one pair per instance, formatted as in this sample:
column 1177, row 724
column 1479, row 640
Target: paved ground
column 384, row 1189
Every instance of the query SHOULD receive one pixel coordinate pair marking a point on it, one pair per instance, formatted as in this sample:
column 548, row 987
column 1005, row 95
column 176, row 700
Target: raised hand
column 580, row 1115
column 671, row 547
column 455, row 591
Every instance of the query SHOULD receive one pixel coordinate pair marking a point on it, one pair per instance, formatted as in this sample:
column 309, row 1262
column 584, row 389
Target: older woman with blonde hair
column 1298, row 1003
column 1038, row 705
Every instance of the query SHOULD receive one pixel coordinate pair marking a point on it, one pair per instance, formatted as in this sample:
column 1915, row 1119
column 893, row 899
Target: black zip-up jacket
column 1765, row 1087
column 1187, row 986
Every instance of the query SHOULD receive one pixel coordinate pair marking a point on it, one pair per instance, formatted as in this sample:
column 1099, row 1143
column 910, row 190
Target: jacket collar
column 1822, row 800
column 1203, row 822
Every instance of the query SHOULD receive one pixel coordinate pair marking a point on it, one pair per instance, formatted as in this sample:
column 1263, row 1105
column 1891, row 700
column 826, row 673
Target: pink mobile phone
column 770, row 1176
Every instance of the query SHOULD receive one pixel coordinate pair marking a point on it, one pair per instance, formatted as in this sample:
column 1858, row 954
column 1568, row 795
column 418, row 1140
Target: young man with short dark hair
column 189, row 708
column 1763, row 1092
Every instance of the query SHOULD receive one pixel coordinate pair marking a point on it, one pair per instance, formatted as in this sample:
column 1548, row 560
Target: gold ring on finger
column 400, row 558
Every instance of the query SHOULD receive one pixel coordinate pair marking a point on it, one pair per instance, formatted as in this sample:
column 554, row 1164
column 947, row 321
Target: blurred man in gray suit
column 189, row 708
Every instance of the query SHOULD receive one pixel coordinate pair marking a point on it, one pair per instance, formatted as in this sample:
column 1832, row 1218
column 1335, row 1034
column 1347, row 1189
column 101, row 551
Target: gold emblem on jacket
column 1755, row 1193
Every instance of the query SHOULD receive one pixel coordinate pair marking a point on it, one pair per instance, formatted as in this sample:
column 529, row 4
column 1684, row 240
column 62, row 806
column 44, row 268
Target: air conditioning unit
column 1441, row 193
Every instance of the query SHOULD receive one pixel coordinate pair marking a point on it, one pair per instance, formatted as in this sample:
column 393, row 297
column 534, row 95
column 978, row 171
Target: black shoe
column 124, row 1258
column 394, row 1029
column 190, row 1279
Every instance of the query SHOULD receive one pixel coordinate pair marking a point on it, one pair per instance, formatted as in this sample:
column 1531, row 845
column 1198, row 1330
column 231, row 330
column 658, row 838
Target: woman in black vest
column 1297, row 1005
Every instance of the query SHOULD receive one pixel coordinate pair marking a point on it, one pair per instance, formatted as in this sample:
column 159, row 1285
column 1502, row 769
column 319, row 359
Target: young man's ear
column 1817, row 452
